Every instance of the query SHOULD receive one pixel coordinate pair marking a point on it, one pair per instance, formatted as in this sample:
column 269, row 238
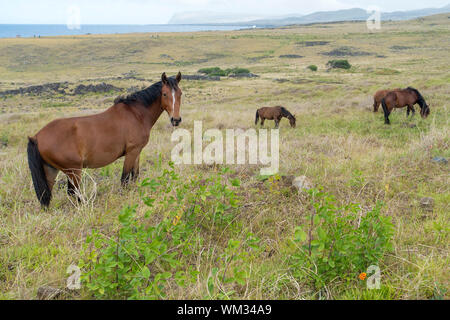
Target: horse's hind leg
column 407, row 111
column 73, row 183
column 262, row 122
column 50, row 174
column 376, row 105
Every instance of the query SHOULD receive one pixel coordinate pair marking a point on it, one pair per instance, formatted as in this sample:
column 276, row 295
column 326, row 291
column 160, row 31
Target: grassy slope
column 339, row 143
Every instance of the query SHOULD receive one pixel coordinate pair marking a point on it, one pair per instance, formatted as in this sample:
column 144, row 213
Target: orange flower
column 362, row 276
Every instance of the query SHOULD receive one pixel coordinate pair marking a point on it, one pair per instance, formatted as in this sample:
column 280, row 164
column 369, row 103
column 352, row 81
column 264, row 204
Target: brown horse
column 69, row 145
column 274, row 113
column 378, row 96
column 402, row 98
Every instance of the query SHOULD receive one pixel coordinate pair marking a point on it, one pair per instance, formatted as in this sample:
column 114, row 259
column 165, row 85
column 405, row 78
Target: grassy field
column 339, row 144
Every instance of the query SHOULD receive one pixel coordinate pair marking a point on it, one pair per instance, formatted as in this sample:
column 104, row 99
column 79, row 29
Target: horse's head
column 292, row 121
column 424, row 109
column 171, row 97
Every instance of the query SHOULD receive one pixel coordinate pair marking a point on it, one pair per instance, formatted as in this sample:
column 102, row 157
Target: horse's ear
column 178, row 78
column 164, row 78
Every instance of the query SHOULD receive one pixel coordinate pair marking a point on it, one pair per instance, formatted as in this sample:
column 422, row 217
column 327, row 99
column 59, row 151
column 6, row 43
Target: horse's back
column 74, row 141
column 270, row 112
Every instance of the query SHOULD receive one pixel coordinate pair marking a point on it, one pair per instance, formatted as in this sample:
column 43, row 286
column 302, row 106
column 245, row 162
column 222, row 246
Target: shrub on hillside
column 339, row 64
column 216, row 71
column 312, row 67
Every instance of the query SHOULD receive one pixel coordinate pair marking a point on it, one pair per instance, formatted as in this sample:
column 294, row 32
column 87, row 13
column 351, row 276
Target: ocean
column 43, row 30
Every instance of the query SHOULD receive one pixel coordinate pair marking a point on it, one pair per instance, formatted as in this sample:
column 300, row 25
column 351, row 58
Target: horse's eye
column 165, row 95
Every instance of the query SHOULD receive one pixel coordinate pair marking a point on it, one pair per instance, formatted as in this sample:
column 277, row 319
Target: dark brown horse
column 274, row 113
column 378, row 96
column 402, row 98
column 69, row 145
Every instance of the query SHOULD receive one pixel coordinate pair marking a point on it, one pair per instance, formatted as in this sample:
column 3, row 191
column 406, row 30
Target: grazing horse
column 274, row 113
column 378, row 96
column 123, row 130
column 401, row 98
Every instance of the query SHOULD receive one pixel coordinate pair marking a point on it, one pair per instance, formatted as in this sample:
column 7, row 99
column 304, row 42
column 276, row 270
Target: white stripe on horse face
column 173, row 101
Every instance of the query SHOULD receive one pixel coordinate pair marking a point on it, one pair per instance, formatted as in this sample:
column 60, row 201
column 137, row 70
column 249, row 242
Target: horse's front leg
column 277, row 122
column 130, row 166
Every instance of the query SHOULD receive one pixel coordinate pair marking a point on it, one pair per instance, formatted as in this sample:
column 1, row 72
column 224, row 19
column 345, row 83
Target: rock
column 302, row 183
column 291, row 56
column 96, row 88
column 200, row 77
column 440, row 160
column 48, row 293
column 427, row 203
column 243, row 75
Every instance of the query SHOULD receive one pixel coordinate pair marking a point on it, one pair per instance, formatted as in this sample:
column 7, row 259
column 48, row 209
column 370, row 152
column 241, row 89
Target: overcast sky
column 160, row 11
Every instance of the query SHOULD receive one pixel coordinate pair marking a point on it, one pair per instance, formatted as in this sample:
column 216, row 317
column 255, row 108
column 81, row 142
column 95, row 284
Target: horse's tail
column 383, row 104
column 257, row 117
column 36, row 165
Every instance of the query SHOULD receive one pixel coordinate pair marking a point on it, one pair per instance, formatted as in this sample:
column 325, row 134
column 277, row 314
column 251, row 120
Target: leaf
column 235, row 182
column 145, row 272
column 299, row 234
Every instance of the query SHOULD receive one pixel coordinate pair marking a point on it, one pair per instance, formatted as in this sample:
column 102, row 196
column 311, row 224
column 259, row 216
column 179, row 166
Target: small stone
column 427, row 203
column 48, row 293
column 440, row 160
column 302, row 183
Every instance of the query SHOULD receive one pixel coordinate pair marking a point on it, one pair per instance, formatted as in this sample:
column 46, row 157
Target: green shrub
column 143, row 257
column 216, row 71
column 338, row 243
column 312, row 67
column 339, row 64
column 236, row 71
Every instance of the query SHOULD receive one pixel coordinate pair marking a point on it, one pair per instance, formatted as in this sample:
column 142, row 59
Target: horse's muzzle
column 175, row 122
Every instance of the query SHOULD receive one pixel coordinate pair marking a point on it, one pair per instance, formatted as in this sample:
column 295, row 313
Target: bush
column 338, row 243
column 143, row 257
column 216, row 71
column 339, row 64
column 312, row 67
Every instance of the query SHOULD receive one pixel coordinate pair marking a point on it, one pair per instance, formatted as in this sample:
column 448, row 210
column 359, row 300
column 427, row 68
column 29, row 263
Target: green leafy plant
column 216, row 71
column 312, row 67
column 143, row 257
column 339, row 64
column 339, row 242
column 233, row 265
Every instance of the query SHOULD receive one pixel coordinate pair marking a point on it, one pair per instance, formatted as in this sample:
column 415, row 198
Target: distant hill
column 355, row 14
column 206, row 17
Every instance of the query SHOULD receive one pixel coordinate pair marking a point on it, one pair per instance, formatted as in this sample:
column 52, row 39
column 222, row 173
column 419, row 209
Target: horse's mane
column 146, row 96
column 286, row 113
column 419, row 96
